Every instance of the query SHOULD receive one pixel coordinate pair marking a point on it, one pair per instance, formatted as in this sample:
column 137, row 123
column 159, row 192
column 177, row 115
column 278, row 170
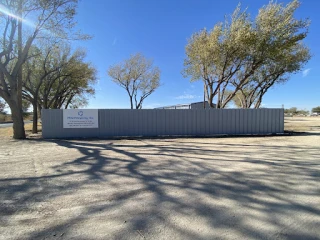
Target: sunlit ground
column 189, row 188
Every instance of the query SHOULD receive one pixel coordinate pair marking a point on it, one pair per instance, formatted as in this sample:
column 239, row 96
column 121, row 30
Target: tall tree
column 36, row 70
column 216, row 56
column 22, row 22
column 271, row 73
column 57, row 78
column 74, row 80
column 248, row 55
column 137, row 76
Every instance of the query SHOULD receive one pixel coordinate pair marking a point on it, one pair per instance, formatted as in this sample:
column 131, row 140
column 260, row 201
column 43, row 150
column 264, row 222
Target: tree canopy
column 316, row 109
column 296, row 111
column 23, row 23
column 57, row 78
column 246, row 57
column 137, row 76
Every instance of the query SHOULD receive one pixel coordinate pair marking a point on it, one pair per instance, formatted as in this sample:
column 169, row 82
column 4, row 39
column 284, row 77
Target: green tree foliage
column 295, row 111
column 243, row 58
column 73, row 81
column 25, row 106
column 35, row 71
column 292, row 110
column 316, row 110
column 303, row 112
column 57, row 78
column 22, row 24
column 244, row 97
column 137, row 76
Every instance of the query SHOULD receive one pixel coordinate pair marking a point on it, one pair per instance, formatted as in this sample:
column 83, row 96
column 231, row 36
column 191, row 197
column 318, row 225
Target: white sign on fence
column 80, row 118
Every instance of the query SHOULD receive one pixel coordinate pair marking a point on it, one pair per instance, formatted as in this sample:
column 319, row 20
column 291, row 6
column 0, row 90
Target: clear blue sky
column 160, row 29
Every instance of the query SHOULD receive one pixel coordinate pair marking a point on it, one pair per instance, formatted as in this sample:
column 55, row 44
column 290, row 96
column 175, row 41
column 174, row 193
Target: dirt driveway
column 188, row 188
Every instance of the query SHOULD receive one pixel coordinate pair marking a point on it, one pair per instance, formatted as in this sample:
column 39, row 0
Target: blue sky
column 160, row 29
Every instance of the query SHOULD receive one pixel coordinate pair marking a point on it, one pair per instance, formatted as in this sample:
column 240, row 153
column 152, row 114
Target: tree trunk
column 210, row 101
column 39, row 110
column 209, row 91
column 15, row 98
column 69, row 101
column 258, row 103
column 35, row 117
column 131, row 102
column 17, row 118
column 218, row 100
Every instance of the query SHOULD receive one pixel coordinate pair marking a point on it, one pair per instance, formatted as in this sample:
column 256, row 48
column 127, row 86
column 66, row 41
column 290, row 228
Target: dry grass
column 302, row 124
column 8, row 131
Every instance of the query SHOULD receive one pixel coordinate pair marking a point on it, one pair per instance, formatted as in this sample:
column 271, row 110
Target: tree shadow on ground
column 160, row 189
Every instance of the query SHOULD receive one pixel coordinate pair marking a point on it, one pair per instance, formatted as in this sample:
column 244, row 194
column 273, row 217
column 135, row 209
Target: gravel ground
column 187, row 188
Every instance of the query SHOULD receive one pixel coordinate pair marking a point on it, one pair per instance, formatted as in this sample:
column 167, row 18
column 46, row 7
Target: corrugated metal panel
column 157, row 122
column 281, row 121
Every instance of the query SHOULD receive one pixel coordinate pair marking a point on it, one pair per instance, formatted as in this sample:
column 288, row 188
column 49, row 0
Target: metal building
column 196, row 105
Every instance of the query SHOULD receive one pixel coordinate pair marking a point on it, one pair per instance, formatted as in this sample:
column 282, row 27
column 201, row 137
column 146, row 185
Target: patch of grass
column 301, row 124
column 5, row 118
column 8, row 131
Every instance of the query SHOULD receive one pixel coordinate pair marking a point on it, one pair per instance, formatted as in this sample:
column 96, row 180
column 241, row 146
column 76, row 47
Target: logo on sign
column 80, row 113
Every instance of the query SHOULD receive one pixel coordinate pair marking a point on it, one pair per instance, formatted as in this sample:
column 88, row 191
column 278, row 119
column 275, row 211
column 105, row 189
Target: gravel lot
column 187, row 188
